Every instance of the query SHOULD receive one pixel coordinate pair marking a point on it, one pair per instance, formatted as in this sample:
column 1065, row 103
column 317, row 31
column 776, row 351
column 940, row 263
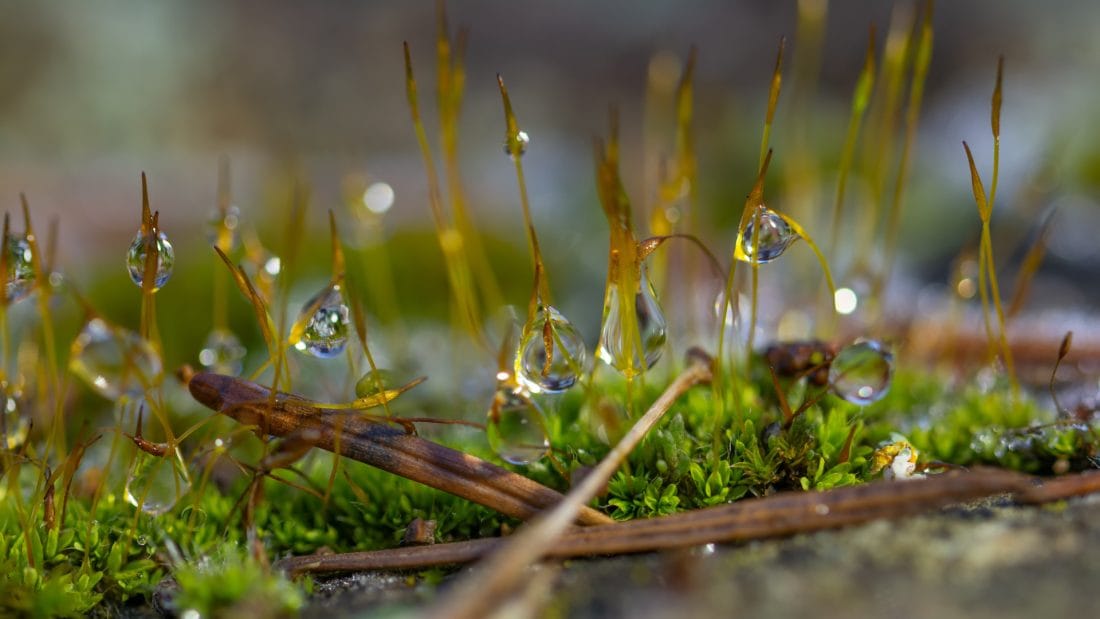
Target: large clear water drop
column 861, row 372
column 515, row 429
column 20, row 278
column 325, row 317
column 156, row 483
column 625, row 350
column 115, row 362
column 135, row 260
column 551, row 353
column 222, row 353
column 774, row 238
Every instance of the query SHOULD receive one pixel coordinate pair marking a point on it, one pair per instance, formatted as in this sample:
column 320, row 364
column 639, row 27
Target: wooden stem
column 386, row 447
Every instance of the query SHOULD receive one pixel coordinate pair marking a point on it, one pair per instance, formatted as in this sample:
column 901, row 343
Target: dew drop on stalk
column 516, row 144
column 628, row 352
column 861, row 372
column 559, row 370
column 156, row 483
column 20, row 278
column 514, row 428
column 222, row 353
column 14, row 426
column 325, row 317
column 135, row 260
column 774, row 238
column 115, row 362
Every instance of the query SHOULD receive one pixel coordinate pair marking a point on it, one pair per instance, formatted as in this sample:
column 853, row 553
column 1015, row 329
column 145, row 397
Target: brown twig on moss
column 383, row 446
column 779, row 515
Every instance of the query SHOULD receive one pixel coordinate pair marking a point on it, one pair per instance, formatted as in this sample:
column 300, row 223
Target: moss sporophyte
column 208, row 510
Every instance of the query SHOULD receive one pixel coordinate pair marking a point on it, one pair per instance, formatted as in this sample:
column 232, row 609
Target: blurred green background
column 91, row 94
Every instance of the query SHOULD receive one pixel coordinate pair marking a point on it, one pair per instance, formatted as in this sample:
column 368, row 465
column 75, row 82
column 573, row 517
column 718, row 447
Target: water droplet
column 135, row 260
column 567, row 359
column 115, row 362
column 224, row 228
column 378, row 198
column 14, row 426
column 516, row 144
column 222, row 353
column 370, row 383
column 861, row 372
column 326, row 324
column 141, row 541
column 774, row 238
column 20, row 276
column 515, row 429
column 845, row 300
column 965, row 278
column 632, row 353
column 156, row 483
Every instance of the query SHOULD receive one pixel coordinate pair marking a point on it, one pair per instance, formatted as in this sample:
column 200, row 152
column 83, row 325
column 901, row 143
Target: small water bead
column 326, row 333
column 135, row 260
column 156, row 483
column 373, row 383
column 222, row 353
column 14, row 426
column 20, row 278
column 774, row 238
column 515, row 429
column 516, row 144
column 861, row 372
column 115, row 362
column 568, row 358
column 615, row 349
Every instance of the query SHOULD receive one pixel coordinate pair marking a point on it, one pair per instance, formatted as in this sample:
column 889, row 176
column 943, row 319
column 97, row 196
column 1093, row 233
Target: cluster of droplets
column 155, row 483
column 116, row 362
column 515, row 427
column 326, row 324
column 551, row 355
column 617, row 347
column 774, row 237
column 862, row 371
column 20, row 278
column 137, row 254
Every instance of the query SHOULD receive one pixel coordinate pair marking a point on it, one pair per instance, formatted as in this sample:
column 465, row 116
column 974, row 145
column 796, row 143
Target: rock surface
column 990, row 559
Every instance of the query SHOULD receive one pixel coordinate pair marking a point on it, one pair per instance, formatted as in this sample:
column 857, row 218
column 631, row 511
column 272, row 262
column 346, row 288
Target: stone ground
column 990, row 559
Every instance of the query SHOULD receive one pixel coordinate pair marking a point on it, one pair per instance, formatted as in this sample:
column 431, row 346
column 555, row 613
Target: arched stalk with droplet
column 551, row 356
column 677, row 192
column 633, row 331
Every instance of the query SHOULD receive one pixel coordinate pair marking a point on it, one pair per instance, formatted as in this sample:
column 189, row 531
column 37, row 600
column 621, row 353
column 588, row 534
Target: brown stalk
column 380, row 445
column 779, row 515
